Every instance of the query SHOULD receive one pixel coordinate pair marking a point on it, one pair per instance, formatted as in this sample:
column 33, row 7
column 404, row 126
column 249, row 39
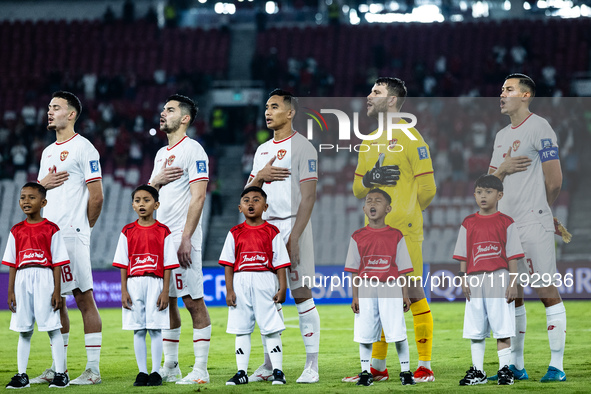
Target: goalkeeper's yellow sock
column 423, row 324
column 379, row 352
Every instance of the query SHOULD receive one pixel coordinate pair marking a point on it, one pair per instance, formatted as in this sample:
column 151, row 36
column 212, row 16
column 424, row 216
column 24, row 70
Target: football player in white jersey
column 181, row 175
column 525, row 158
column 70, row 171
column 286, row 168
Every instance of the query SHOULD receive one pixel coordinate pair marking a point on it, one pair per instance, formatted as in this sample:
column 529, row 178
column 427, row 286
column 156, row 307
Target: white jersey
column 524, row 196
column 175, row 197
column 295, row 153
column 67, row 204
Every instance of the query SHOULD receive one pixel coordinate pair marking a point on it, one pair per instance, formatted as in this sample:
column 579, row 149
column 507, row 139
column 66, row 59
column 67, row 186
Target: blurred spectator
column 19, row 156
column 151, row 16
column 109, row 16
column 128, row 11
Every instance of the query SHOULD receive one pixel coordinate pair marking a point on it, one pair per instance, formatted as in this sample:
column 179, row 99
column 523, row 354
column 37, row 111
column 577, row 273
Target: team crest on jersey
column 516, row 144
column 281, row 154
column 392, row 143
column 170, row 160
column 312, row 165
column 63, row 155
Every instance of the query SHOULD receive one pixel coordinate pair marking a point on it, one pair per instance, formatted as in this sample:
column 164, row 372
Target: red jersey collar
column 285, row 139
column 69, row 139
column 172, row 147
column 523, row 121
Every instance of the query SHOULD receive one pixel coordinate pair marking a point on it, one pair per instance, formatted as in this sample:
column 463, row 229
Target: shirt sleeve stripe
column 8, row 264
column 424, row 173
column 461, row 258
column 406, row 271
column 309, row 179
column 351, row 270
column 222, row 262
column 282, row 266
column 94, row 179
column 60, row 263
column 517, row 256
column 119, row 265
column 494, row 168
column 356, row 174
column 199, row 179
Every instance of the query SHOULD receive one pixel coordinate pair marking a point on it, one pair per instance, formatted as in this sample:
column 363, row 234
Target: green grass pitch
column 339, row 355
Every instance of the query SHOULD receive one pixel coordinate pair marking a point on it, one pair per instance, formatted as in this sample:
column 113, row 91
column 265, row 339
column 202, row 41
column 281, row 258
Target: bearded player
column 401, row 167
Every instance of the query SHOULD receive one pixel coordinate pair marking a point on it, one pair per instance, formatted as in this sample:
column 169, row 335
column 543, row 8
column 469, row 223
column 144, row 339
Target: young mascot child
column 488, row 247
column 35, row 253
column 378, row 253
column 145, row 253
column 255, row 257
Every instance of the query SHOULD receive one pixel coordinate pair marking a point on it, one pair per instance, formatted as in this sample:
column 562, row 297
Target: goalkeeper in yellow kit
column 401, row 167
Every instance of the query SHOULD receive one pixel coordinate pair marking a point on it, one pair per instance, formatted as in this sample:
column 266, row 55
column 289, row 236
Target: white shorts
column 144, row 314
column 33, row 289
column 487, row 310
column 77, row 274
column 306, row 268
column 380, row 308
column 540, row 253
column 187, row 281
column 254, row 302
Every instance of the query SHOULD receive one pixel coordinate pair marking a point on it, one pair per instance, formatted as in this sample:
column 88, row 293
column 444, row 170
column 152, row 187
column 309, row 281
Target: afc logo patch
column 170, row 160
column 423, row 153
column 516, row 144
column 201, row 166
column 94, row 166
column 64, row 155
column 311, row 165
column 281, row 154
column 546, row 143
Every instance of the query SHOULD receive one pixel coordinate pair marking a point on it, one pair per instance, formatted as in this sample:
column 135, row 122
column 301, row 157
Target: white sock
column 141, row 351
column 403, row 355
column 57, row 349
column 23, row 350
column 242, row 352
column 156, row 342
column 65, row 338
column 365, row 355
column 477, row 347
column 378, row 364
column 425, row 364
column 556, row 323
column 275, row 350
column 201, row 340
column 310, row 330
column 93, row 351
column 518, row 341
column 170, row 347
column 267, row 362
column 504, row 357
